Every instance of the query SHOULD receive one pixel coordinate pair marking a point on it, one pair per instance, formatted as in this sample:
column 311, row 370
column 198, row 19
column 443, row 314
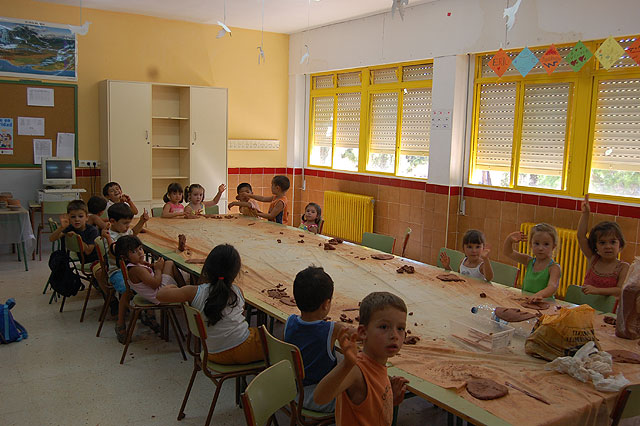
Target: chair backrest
column 53, row 225
column 73, row 242
column 504, row 274
column 269, row 391
column 54, row 207
column 212, row 210
column 627, row 405
column 320, row 226
column 101, row 249
column 275, row 350
column 596, row 301
column 380, row 242
column 455, row 258
column 125, row 274
column 156, row 212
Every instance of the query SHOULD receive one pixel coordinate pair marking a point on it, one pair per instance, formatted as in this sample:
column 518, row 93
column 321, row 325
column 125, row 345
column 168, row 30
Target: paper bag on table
column 628, row 320
column 562, row 334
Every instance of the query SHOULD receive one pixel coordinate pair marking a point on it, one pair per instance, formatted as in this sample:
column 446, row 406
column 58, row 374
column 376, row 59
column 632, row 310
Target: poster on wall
column 6, row 136
column 37, row 49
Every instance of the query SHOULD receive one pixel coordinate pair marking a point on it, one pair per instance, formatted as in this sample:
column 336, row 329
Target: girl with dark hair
column 173, row 201
column 311, row 218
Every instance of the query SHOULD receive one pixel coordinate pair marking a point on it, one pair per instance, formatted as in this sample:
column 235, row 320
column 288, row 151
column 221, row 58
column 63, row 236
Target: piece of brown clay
column 279, row 240
column 281, row 233
column 335, row 241
column 300, row 235
column 408, row 331
column 486, row 389
column 483, row 295
column 539, row 305
column 450, row 278
column 513, row 314
column 627, row 357
column 251, row 224
column 301, row 241
column 182, row 242
column 328, row 246
column 289, row 301
column 382, row 256
column 362, row 258
column 610, row 320
column 410, row 313
column 411, row 340
column 406, row 268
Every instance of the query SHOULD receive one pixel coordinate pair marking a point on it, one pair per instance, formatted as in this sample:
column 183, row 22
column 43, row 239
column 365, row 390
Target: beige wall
column 122, row 46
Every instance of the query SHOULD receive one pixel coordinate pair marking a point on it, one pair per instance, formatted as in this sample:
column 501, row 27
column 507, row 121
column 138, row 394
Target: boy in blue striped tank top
column 313, row 290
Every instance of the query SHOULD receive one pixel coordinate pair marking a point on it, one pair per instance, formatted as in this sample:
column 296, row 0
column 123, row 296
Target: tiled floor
column 63, row 375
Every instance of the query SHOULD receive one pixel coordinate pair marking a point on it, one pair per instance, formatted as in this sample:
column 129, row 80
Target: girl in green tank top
column 542, row 274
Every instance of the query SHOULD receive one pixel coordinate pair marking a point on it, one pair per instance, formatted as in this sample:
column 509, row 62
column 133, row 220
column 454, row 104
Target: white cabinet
column 155, row 134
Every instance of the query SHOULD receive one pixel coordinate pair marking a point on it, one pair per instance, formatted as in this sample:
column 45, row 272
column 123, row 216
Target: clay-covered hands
column 159, row 264
column 105, row 231
column 586, row 208
column 145, row 216
column 446, row 262
column 64, row 220
column 222, row 188
column 399, row 388
column 516, row 237
column 347, row 339
column 124, row 198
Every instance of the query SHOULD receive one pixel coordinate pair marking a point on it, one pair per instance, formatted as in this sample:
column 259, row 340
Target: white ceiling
column 281, row 16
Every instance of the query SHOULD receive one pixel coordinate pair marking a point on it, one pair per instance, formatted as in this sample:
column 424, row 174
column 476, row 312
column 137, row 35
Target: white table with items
column 15, row 228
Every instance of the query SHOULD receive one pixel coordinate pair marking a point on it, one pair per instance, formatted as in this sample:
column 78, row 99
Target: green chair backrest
column 193, row 318
column 269, row 391
column 632, row 407
column 73, row 242
column 101, row 249
column 455, row 258
column 596, row 301
column 380, row 242
column 53, row 225
column 212, row 210
column 276, row 349
column 54, row 207
column 156, row 212
column 504, row 274
column 104, row 215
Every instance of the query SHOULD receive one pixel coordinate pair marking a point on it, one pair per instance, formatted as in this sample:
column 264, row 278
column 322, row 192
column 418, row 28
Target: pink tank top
column 141, row 288
column 595, row 279
column 175, row 208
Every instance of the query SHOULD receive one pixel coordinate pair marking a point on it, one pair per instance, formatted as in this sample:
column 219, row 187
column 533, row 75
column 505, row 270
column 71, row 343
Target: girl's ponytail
column 220, row 269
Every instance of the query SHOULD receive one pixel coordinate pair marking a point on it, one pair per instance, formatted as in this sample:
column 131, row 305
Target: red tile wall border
column 488, row 194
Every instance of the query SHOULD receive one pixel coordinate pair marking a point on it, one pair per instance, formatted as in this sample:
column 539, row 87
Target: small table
column 15, row 228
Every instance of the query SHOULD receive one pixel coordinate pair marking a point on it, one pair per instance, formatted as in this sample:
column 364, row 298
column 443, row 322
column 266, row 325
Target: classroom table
column 15, row 228
column 438, row 365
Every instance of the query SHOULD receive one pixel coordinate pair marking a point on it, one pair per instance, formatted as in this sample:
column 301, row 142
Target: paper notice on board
column 65, row 145
column 6, row 136
column 30, row 126
column 41, row 148
column 37, row 96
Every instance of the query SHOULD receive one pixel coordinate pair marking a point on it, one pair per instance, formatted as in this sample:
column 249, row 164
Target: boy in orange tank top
column 279, row 208
column 365, row 394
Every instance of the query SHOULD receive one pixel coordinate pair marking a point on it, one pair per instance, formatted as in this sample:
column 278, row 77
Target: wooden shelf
column 170, row 147
column 169, row 177
column 170, row 118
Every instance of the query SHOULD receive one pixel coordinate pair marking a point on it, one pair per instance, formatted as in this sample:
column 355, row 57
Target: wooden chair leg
column 213, row 402
column 62, row 304
column 174, row 324
column 46, row 286
column 86, row 299
column 186, row 395
column 105, row 308
column 132, row 326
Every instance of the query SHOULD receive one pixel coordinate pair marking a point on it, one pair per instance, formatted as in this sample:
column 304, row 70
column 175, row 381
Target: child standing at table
column 247, row 206
column 230, row 340
column 311, row 218
column 605, row 274
column 365, row 393
column 194, row 195
column 543, row 274
column 78, row 215
column 278, row 209
column 316, row 338
column 173, row 201
column 96, row 206
column 476, row 263
column 113, row 193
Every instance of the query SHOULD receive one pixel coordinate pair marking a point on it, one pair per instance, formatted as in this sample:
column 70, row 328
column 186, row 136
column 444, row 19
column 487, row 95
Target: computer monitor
column 58, row 172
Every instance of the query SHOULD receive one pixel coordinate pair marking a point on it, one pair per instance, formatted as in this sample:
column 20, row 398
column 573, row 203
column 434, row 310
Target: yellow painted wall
column 122, row 46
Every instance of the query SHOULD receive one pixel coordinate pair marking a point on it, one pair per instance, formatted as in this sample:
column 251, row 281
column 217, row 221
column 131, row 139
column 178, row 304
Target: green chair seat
column 380, row 242
column 455, row 258
column 212, row 210
column 316, row 414
column 156, row 212
column 596, row 301
column 233, row 368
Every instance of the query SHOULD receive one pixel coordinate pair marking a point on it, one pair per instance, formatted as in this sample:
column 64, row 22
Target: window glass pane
column 415, row 133
column 384, row 119
column 323, row 81
column 417, row 72
column 385, row 75
column 345, row 158
column 347, row 143
column 348, row 79
column 322, row 131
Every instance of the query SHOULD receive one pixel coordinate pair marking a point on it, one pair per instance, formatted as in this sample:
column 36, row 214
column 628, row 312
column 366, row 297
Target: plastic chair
column 627, row 404
column 75, row 247
column 271, row 390
column 140, row 304
column 218, row 373
column 156, row 212
column 455, row 258
column 598, row 302
column 212, row 210
column 380, row 242
column 50, row 208
column 101, row 247
column 276, row 350
column 504, row 274
column 56, row 245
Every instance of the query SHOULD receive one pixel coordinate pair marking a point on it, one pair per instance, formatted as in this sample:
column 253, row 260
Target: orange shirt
column 283, row 217
column 377, row 407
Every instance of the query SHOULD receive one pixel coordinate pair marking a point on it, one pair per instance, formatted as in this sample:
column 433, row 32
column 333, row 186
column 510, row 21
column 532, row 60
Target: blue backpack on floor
column 10, row 329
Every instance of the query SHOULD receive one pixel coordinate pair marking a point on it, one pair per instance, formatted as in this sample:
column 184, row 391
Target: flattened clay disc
column 540, row 305
column 382, row 256
column 486, row 389
column 513, row 314
column 628, row 357
column 449, row 277
column 288, row 301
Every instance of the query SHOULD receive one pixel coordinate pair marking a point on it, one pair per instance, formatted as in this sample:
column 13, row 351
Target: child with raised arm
column 476, row 263
column 113, row 193
column 78, row 215
column 365, row 394
column 605, row 274
column 278, row 209
column 194, row 195
column 96, row 206
column 543, row 274
column 173, row 201
column 247, row 206
column 311, row 218
column 315, row 337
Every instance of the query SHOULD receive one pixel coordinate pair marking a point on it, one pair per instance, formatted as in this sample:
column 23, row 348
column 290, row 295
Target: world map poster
column 36, row 49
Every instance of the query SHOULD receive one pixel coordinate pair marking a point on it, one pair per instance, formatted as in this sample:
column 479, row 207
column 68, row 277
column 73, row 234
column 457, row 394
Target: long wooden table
column 437, row 366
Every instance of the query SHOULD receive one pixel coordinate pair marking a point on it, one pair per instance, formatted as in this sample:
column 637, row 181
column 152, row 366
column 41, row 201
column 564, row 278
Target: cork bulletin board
column 62, row 117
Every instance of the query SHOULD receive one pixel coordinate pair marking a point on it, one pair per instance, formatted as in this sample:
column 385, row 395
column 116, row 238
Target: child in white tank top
column 476, row 263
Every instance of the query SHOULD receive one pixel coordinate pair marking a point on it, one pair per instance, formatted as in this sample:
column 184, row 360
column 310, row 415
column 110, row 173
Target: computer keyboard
column 63, row 190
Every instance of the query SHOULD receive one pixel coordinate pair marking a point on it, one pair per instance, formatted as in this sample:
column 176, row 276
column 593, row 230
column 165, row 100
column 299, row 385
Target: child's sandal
column 121, row 333
column 150, row 321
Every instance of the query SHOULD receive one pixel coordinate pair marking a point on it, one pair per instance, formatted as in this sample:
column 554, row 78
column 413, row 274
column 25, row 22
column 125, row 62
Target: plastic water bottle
column 522, row 328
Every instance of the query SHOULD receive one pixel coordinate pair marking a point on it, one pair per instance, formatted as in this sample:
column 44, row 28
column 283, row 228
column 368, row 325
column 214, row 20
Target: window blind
column 384, row 119
column 323, row 81
column 323, row 121
column 616, row 139
column 416, row 122
column 384, row 75
column 348, row 120
column 544, row 124
column 417, row 72
column 495, row 126
column 349, row 79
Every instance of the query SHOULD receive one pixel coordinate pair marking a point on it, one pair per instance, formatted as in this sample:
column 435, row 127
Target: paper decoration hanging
column 634, row 51
column 500, row 62
column 609, row 52
column 399, row 6
column 551, row 59
column 510, row 14
column 578, row 56
column 525, row 61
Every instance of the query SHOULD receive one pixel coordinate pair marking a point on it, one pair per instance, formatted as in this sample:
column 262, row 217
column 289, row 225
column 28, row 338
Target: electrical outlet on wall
column 89, row 163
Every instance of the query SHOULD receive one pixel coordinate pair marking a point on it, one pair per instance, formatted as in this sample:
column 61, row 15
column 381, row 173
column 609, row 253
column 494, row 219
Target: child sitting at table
column 113, row 193
column 476, row 263
column 311, row 218
column 247, row 206
column 365, row 393
column 173, row 201
column 230, row 340
column 78, row 215
column 278, row 209
column 315, row 337
column 96, row 206
column 194, row 195
column 606, row 273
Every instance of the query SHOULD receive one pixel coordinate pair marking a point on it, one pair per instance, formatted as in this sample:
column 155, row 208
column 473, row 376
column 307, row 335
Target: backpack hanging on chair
column 10, row 329
column 63, row 279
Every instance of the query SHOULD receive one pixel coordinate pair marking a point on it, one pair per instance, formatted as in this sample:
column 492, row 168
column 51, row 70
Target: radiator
column 346, row 215
column 568, row 255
